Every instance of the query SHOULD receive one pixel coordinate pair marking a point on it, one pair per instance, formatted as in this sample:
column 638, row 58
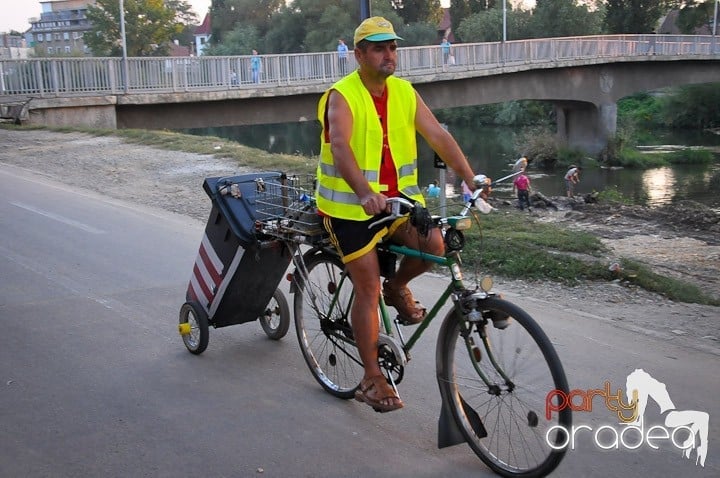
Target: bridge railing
column 57, row 77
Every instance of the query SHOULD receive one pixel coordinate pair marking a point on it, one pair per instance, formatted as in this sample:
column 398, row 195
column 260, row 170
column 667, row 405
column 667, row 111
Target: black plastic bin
column 236, row 273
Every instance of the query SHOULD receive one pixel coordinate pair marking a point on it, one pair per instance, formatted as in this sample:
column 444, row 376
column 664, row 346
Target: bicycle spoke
column 322, row 305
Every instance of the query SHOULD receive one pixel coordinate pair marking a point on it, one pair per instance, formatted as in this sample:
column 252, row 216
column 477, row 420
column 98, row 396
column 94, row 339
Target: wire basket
column 286, row 209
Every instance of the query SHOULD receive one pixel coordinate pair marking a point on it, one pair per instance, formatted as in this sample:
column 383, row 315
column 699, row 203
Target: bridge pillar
column 585, row 126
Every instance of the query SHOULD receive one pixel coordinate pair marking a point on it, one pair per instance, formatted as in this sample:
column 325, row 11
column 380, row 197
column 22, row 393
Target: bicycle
column 494, row 364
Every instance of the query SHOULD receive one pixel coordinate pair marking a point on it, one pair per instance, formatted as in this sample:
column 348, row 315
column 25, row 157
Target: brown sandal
column 374, row 391
column 410, row 312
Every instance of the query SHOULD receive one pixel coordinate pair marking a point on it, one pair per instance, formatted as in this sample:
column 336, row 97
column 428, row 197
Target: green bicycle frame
column 451, row 263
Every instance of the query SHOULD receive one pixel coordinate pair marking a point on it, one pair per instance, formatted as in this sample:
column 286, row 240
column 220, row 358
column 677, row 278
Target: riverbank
column 172, row 181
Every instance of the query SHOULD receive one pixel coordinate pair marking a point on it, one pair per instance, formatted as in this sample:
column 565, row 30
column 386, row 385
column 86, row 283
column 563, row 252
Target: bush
column 612, row 195
column 641, row 108
column 690, row 156
column 632, row 158
column 540, row 146
column 567, row 156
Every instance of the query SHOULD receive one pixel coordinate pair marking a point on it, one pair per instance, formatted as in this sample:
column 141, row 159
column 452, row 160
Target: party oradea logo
column 686, row 430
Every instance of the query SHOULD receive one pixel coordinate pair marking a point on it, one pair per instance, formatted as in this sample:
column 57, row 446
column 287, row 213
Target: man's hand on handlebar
column 374, row 203
column 395, row 207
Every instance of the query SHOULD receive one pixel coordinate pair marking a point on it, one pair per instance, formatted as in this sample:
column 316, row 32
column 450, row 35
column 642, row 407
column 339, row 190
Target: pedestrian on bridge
column 255, row 66
column 445, row 47
column 342, row 50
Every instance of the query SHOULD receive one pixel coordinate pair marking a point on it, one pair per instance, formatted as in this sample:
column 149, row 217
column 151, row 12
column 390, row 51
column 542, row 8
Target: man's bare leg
column 365, row 274
column 411, row 267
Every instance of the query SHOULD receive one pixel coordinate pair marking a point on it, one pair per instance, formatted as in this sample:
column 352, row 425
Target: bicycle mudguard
column 448, row 432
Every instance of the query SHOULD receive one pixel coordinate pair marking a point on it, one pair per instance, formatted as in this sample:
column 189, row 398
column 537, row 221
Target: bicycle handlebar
column 396, row 204
column 481, row 181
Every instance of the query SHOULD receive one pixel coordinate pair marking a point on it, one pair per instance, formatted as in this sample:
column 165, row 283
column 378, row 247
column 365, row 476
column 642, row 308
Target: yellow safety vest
column 334, row 196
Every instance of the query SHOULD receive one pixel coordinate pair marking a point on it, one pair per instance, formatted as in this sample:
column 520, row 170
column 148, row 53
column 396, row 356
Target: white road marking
column 59, row 218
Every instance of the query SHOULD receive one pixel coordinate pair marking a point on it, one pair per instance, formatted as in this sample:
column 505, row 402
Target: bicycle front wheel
column 322, row 319
column 499, row 371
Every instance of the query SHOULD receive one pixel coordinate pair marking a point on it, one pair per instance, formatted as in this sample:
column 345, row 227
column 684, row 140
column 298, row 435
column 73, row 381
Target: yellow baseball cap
column 375, row 29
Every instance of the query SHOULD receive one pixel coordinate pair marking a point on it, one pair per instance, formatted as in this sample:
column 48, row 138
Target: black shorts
column 354, row 239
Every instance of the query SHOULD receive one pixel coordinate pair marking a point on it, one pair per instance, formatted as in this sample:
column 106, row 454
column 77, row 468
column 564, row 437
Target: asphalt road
column 95, row 380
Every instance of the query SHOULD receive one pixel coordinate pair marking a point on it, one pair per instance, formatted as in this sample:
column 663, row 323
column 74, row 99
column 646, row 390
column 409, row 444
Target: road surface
column 95, row 380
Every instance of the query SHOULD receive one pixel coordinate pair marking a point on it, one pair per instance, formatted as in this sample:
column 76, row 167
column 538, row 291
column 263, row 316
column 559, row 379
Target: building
column 12, row 47
column 202, row 35
column 59, row 30
column 176, row 49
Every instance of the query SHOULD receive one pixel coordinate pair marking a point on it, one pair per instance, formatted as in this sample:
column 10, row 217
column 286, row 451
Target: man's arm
column 442, row 142
column 340, row 123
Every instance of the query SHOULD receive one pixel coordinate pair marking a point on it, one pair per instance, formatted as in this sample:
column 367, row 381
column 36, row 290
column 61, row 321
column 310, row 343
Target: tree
column 486, row 26
column 226, row 14
column 693, row 106
column 150, row 25
column 419, row 34
column 333, row 24
column 694, row 15
column 241, row 40
column 635, row 16
column 563, row 18
column 287, row 32
column 417, row 11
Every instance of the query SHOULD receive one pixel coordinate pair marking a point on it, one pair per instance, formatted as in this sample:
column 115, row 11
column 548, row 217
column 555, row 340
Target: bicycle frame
column 456, row 284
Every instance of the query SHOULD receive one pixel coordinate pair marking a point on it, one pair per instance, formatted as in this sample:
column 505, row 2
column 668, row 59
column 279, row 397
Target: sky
column 14, row 14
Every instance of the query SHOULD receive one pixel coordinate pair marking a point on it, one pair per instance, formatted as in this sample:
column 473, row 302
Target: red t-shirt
column 388, row 174
column 522, row 182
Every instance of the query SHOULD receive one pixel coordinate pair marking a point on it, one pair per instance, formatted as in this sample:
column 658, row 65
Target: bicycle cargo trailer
column 236, row 273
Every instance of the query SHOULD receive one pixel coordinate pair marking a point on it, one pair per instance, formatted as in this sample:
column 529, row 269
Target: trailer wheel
column 275, row 321
column 193, row 327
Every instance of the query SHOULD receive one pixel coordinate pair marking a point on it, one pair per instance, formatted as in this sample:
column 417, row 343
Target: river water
column 492, row 151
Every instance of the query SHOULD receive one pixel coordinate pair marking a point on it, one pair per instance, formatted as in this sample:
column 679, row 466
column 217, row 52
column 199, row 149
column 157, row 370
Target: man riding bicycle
column 368, row 153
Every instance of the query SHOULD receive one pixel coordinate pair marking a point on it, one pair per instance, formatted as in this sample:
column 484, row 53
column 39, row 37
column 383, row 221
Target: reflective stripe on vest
column 331, row 170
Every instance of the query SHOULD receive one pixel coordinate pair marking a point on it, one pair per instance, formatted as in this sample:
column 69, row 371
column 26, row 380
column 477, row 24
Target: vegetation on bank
column 519, row 247
column 692, row 107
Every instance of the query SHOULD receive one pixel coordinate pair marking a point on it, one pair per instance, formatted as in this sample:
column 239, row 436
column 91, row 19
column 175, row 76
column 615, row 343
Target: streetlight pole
column 715, row 17
column 126, row 83
column 364, row 9
column 504, row 21
column 504, row 30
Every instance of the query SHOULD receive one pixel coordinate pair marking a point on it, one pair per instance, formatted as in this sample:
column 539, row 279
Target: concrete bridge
column 583, row 76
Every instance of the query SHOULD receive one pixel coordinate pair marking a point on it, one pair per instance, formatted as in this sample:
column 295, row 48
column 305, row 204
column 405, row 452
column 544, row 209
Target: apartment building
column 59, row 30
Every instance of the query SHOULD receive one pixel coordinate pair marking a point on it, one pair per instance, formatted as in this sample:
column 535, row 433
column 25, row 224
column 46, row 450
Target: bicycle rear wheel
column 322, row 319
column 511, row 407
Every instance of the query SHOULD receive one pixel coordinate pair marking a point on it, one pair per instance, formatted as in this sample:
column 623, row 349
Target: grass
column 515, row 246
column 612, row 195
column 632, row 158
column 671, row 288
column 509, row 244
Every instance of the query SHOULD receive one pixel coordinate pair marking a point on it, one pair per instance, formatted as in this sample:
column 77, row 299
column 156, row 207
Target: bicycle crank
column 391, row 358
